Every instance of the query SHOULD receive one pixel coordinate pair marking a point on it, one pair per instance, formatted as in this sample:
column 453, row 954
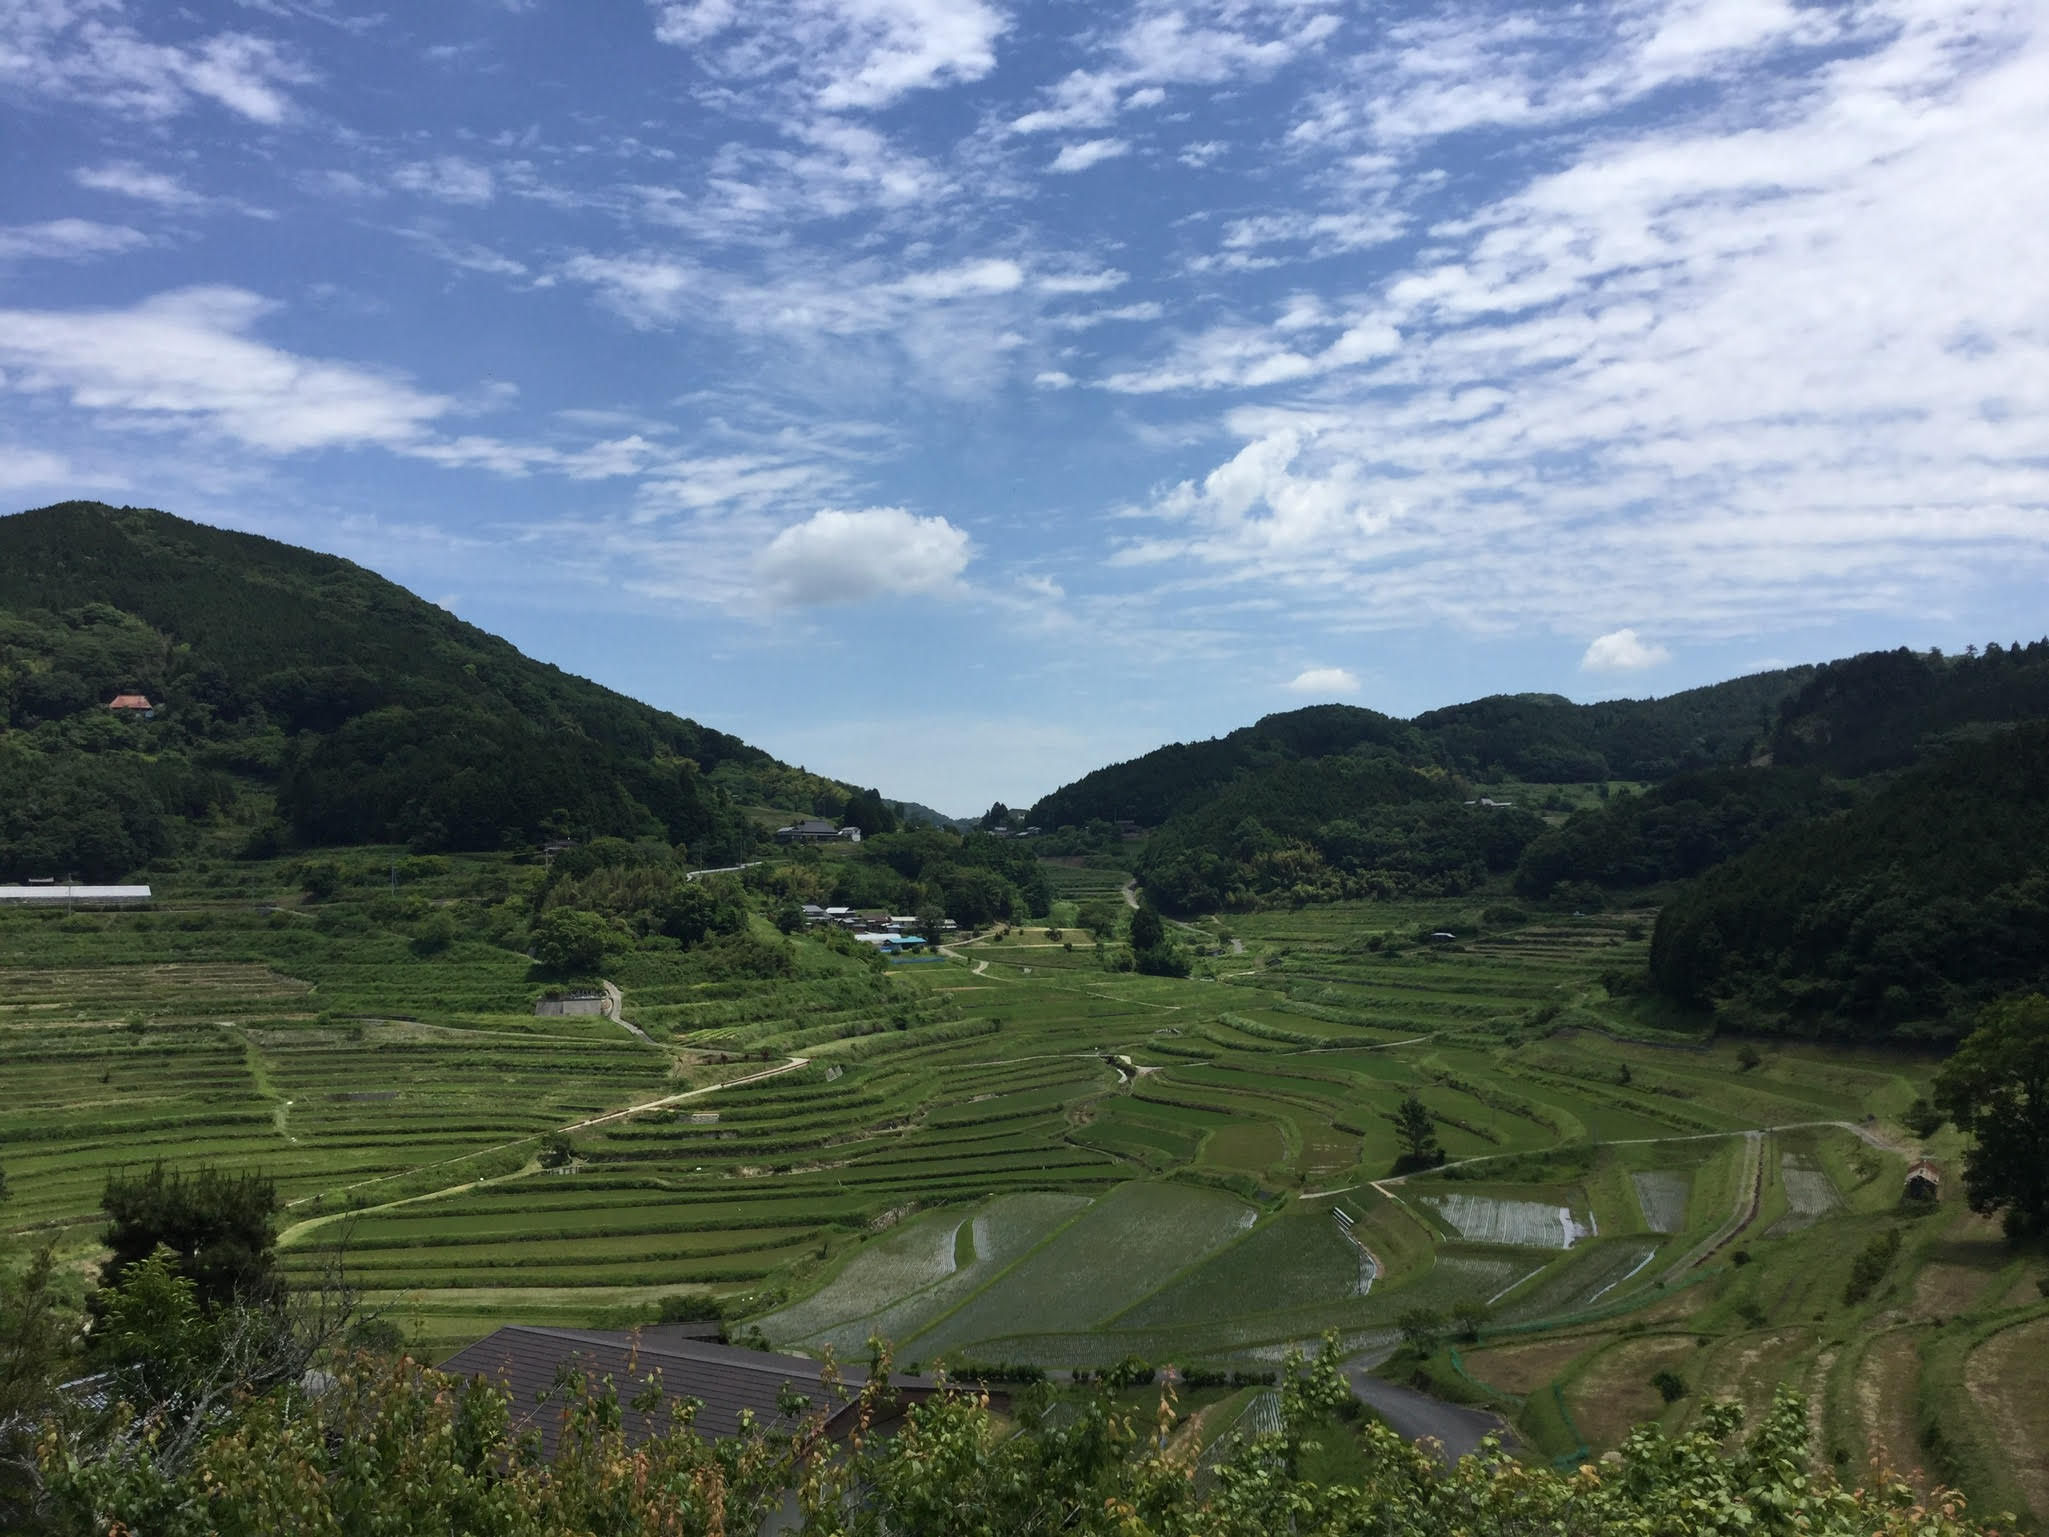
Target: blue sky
column 954, row 395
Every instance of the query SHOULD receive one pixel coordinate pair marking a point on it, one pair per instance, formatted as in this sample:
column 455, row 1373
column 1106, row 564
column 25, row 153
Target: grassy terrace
column 1022, row 1154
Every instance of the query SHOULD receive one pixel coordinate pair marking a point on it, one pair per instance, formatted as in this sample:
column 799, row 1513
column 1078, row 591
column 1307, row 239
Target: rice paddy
column 1038, row 1158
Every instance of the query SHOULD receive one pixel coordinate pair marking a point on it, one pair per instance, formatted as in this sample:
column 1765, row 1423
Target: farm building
column 814, row 830
column 1924, row 1181
column 727, row 1380
column 134, row 706
column 51, row 894
column 571, row 1003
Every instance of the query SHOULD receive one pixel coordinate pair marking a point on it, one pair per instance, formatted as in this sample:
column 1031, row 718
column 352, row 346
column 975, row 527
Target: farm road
column 1416, row 1416
column 613, row 1004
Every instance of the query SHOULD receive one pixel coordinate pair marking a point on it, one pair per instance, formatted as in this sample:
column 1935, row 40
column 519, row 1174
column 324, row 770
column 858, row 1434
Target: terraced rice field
column 1066, row 1164
column 1810, row 1194
column 1520, row 1224
column 1662, row 1195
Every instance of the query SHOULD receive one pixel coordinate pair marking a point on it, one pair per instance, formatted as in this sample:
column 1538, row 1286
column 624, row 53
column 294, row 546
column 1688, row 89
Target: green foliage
column 1670, row 1385
column 1422, row 1329
column 1923, row 1119
column 1885, row 709
column 1675, row 830
column 1870, row 1265
column 571, row 942
column 1417, row 1130
column 557, row 1151
column 220, row 1227
column 1321, row 829
column 1897, row 918
column 374, row 715
column 1539, row 738
column 1996, row 1087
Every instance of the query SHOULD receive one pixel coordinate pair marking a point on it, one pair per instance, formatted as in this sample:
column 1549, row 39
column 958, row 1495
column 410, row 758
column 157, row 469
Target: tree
column 220, row 1228
column 571, row 941
column 1413, row 1124
column 557, row 1151
column 1099, row 918
column 1147, row 931
column 931, row 920
column 1996, row 1087
column 1422, row 1329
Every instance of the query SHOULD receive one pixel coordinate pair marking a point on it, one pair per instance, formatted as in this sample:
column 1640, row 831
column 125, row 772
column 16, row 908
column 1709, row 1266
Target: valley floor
column 1018, row 1155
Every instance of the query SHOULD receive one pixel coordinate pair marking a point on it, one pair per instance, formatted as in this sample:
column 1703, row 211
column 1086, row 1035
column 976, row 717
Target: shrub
column 1669, row 1387
column 1869, row 1268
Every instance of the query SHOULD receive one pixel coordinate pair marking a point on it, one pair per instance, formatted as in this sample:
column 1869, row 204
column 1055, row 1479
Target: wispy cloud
column 447, row 179
column 1088, row 152
column 1755, row 366
column 67, row 240
column 124, row 178
column 91, row 52
column 843, row 57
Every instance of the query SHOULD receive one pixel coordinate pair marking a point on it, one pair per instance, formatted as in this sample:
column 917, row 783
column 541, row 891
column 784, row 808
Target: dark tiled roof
column 526, row 1361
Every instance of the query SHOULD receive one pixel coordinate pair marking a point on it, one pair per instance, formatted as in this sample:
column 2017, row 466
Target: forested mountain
column 373, row 715
column 1321, row 829
column 1540, row 738
column 1885, row 709
column 1674, row 830
column 1896, row 918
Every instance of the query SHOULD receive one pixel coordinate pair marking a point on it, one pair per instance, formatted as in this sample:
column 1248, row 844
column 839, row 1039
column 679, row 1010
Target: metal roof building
column 726, row 1379
column 52, row 895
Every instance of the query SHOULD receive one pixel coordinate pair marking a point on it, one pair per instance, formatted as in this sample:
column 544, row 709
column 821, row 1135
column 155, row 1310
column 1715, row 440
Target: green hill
column 1537, row 738
column 1896, row 918
column 282, row 675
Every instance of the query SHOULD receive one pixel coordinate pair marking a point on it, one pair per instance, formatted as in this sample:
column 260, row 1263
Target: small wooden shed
column 1924, row 1181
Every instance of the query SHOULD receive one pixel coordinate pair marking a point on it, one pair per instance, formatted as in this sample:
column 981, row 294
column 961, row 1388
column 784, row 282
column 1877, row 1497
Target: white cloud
column 1326, row 681
column 843, row 54
column 127, row 179
column 186, row 360
column 994, row 275
column 90, row 52
column 1079, row 157
column 22, row 468
column 1622, row 651
column 649, row 291
column 447, row 179
column 1773, row 363
column 1179, row 42
column 1053, row 379
column 840, row 556
column 67, row 240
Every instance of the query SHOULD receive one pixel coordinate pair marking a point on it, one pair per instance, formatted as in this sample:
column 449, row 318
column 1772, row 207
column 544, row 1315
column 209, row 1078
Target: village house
column 134, row 706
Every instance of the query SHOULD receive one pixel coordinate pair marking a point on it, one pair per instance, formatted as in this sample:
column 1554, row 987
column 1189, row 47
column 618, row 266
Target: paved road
column 613, row 1004
column 1417, row 1415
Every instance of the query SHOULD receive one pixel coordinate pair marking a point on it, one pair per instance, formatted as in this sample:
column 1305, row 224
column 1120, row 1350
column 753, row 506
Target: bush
column 1669, row 1387
column 1869, row 1268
